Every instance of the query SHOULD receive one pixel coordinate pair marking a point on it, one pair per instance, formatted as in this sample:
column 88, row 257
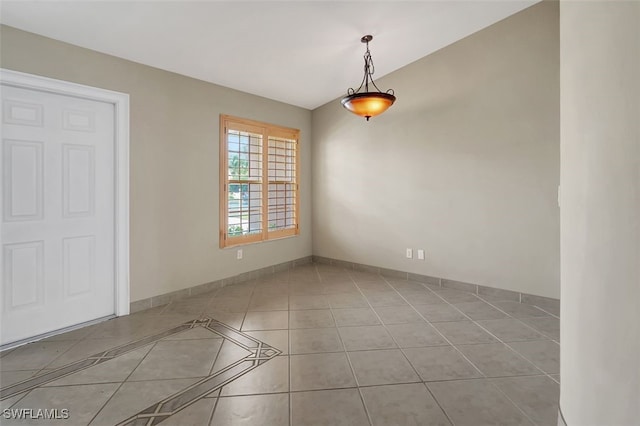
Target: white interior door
column 58, row 212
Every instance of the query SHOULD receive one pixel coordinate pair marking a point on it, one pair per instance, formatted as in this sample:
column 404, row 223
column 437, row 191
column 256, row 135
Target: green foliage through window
column 238, row 168
column 259, row 190
column 234, row 230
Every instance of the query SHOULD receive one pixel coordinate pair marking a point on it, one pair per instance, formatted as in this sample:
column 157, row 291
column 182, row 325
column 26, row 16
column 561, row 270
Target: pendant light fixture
column 368, row 104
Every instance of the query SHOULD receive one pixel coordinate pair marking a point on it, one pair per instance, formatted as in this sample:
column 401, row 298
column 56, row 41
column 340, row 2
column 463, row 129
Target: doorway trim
column 120, row 102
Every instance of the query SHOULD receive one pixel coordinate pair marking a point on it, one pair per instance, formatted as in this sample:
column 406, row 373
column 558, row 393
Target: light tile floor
column 316, row 345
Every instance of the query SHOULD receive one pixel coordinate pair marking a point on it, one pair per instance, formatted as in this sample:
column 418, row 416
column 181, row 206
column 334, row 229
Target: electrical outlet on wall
column 239, row 254
column 420, row 254
column 409, row 253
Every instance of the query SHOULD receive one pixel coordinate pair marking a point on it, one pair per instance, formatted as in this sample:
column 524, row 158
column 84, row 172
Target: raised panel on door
column 22, row 113
column 78, row 265
column 80, row 121
column 58, row 212
column 23, row 275
column 23, row 185
column 78, row 188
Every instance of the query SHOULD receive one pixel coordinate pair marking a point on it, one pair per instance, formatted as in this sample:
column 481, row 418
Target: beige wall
column 465, row 165
column 600, row 214
column 174, row 162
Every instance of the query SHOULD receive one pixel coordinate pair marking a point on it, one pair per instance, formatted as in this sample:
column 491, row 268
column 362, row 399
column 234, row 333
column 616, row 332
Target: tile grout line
column 308, row 390
column 406, row 275
column 388, row 281
column 438, row 403
column 435, row 328
column 489, row 379
column 218, row 390
column 490, row 333
column 244, row 317
column 488, row 302
column 424, row 319
column 122, row 383
column 485, row 377
column 7, row 352
column 346, row 354
column 60, row 355
column 153, row 345
column 22, row 396
column 84, row 359
column 512, row 401
column 469, row 379
column 512, row 349
column 215, row 359
column 405, row 355
column 545, row 311
column 331, row 308
column 500, row 340
column 520, row 319
column 213, row 409
column 246, row 311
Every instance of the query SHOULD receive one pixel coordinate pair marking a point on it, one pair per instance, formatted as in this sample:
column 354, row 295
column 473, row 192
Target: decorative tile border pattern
column 547, row 304
column 259, row 354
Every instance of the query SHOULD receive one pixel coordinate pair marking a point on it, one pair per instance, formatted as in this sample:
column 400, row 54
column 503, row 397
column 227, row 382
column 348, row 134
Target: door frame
column 120, row 102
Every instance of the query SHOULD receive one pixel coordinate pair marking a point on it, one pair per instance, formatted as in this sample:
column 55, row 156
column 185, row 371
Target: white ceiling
column 304, row 53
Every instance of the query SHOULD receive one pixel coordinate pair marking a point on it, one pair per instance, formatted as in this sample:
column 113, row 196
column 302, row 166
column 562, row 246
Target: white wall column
column 600, row 212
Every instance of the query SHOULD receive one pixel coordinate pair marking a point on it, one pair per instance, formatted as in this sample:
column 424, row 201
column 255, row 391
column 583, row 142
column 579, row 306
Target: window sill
column 249, row 243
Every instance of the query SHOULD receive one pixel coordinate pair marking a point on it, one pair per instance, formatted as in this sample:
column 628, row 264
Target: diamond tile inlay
column 258, row 353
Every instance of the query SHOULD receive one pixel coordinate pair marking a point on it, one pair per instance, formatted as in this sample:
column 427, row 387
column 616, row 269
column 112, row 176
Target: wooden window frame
column 266, row 130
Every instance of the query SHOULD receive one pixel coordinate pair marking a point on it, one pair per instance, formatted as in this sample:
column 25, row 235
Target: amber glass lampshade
column 368, row 104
